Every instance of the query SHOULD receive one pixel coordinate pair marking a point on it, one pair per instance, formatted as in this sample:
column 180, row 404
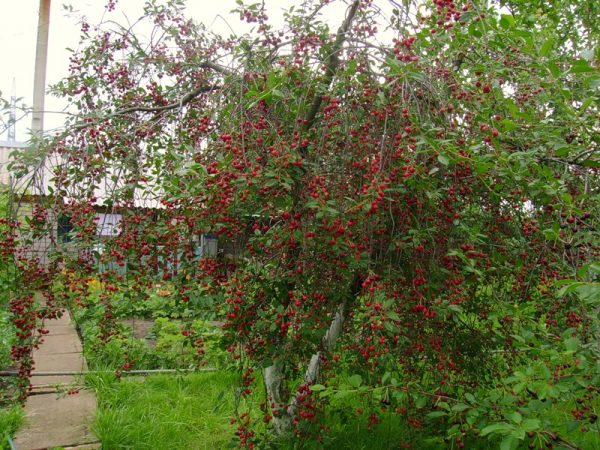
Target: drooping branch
column 184, row 100
column 216, row 67
column 177, row 104
column 187, row 98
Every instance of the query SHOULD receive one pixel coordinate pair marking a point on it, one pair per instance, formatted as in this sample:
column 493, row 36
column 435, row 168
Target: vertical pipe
column 41, row 57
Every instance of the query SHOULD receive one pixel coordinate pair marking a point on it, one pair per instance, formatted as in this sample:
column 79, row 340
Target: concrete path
column 55, row 418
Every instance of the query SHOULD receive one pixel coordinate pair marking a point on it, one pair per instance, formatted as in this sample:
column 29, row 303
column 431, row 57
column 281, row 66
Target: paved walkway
column 55, row 418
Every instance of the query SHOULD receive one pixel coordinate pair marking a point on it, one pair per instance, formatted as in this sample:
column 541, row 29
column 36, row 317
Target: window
column 64, row 228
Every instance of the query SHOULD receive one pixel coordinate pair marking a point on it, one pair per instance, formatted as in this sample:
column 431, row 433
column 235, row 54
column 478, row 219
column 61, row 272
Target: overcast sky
column 18, row 31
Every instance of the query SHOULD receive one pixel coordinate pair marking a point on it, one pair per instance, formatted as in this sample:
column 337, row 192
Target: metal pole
column 41, row 58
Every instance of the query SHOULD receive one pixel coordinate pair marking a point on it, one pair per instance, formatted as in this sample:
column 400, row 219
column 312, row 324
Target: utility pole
column 41, row 57
column 12, row 116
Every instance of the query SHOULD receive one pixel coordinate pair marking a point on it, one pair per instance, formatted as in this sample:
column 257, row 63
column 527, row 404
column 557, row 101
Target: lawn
column 193, row 411
column 189, row 411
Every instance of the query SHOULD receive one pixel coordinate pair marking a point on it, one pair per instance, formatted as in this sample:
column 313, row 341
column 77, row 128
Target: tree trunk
column 284, row 411
column 273, row 377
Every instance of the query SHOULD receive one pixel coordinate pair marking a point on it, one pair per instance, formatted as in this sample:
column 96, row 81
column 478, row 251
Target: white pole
column 41, row 57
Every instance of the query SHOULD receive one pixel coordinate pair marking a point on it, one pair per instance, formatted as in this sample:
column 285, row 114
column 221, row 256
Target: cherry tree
column 399, row 198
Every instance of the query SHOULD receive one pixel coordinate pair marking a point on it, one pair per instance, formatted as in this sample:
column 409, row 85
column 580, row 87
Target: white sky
column 18, row 32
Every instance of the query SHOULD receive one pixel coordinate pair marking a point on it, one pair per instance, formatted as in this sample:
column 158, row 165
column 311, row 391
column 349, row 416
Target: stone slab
column 55, row 344
column 94, row 446
column 140, row 327
column 47, row 380
column 62, row 329
column 57, row 421
column 65, row 319
column 65, row 362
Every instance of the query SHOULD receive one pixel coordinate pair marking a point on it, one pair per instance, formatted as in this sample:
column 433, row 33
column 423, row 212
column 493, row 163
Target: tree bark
column 284, row 411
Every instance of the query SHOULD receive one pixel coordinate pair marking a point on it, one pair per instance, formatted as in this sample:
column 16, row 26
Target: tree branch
column 177, row 104
column 331, row 67
column 174, row 105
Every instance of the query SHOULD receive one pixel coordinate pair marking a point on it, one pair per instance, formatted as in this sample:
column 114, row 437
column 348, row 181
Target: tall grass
column 157, row 412
column 10, row 421
column 192, row 411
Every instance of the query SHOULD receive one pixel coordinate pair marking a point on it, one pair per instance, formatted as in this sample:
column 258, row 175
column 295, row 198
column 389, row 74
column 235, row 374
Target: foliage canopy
column 400, row 200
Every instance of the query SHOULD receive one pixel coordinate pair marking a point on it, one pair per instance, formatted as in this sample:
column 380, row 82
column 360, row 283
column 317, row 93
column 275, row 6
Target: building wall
column 6, row 148
column 108, row 226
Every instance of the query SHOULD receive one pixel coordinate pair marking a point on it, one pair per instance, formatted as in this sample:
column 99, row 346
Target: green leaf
column 342, row 394
column 317, row 387
column 393, row 315
column 554, row 69
column 586, row 104
column 266, row 363
column 456, row 309
column 509, row 443
column 483, row 167
column 508, row 125
column 500, row 427
column 474, row 30
column 460, row 407
column 515, row 417
column 572, row 344
column 570, row 286
column 443, row 160
column 390, row 327
column 581, row 66
column 470, row 397
column 444, row 405
column 546, row 47
column 355, row 380
column 351, row 69
column 436, row 414
column 550, row 234
column 531, row 425
column 591, row 163
column 420, row 402
column 507, row 21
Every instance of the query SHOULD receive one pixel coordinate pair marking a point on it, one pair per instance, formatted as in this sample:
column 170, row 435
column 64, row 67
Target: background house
column 6, row 148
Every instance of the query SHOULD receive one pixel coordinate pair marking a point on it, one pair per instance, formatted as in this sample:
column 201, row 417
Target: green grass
column 10, row 421
column 192, row 411
column 390, row 434
column 165, row 411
